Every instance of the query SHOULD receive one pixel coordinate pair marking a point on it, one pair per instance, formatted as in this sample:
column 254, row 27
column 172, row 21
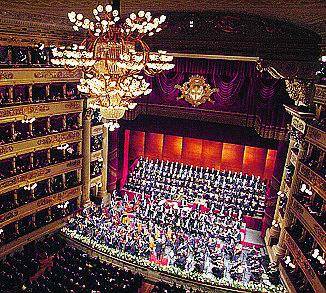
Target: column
column 86, row 155
column 30, row 93
column 48, row 125
column 113, row 160
column 64, row 122
column 47, row 90
column 31, row 161
column 105, row 151
column 64, row 91
column 11, row 94
column 9, row 55
column 288, row 216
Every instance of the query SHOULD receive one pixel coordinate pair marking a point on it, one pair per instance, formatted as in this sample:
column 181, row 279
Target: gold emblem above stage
column 196, row 91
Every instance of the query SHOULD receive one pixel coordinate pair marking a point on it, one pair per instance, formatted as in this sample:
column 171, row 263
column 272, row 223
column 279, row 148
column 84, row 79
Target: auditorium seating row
column 50, row 265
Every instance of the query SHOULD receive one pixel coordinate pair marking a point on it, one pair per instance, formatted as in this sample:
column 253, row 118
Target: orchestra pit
column 162, row 146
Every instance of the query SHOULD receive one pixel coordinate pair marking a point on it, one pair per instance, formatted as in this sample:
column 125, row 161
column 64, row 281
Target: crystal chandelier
column 113, row 57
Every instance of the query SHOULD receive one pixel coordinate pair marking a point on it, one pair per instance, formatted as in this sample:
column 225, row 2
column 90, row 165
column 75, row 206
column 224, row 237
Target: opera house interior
column 162, row 146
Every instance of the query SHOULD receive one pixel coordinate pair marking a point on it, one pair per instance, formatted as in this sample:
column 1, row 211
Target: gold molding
column 298, row 124
column 310, row 223
column 21, row 180
column 14, row 113
column 96, row 155
column 316, row 136
column 303, row 263
column 38, row 205
column 215, row 57
column 320, row 94
column 96, row 130
column 17, row 76
column 40, row 143
column 96, row 180
column 289, row 285
column 315, row 181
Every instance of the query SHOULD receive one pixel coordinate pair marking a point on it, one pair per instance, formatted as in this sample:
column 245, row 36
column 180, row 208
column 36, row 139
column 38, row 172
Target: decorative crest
column 196, row 91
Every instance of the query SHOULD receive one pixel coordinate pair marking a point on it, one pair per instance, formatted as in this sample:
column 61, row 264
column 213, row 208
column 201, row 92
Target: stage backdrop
column 200, row 152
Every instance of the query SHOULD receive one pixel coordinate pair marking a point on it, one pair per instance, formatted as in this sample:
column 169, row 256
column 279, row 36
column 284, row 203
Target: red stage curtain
column 232, row 156
column 172, row 147
column 137, row 143
column 154, row 145
column 211, row 154
column 254, row 160
column 269, row 164
column 191, row 151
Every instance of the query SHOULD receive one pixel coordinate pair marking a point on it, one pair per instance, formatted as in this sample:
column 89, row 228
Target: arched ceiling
column 49, row 18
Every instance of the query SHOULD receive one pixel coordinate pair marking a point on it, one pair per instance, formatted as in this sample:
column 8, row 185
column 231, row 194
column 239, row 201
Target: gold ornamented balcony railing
column 38, row 205
column 21, row 180
column 96, row 155
column 320, row 94
column 13, row 76
column 309, row 222
column 13, row 113
column 298, row 124
column 317, row 183
column 96, row 180
column 40, row 143
column 288, row 283
column 293, row 157
column 36, row 234
column 96, row 130
column 316, row 136
column 303, row 263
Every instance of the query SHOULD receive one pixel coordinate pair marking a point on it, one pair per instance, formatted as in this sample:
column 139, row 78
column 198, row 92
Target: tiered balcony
column 314, row 179
column 316, row 136
column 37, row 205
column 303, row 262
column 310, row 223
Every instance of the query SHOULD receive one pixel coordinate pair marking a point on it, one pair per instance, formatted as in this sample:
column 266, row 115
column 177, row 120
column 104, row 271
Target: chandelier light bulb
column 117, row 76
column 108, row 8
column 132, row 16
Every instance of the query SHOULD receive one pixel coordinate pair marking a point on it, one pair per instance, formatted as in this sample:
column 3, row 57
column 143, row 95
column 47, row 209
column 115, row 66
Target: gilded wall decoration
column 320, row 94
column 196, row 91
column 300, row 91
column 298, row 124
column 51, row 74
column 317, row 183
column 316, row 136
column 6, row 74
